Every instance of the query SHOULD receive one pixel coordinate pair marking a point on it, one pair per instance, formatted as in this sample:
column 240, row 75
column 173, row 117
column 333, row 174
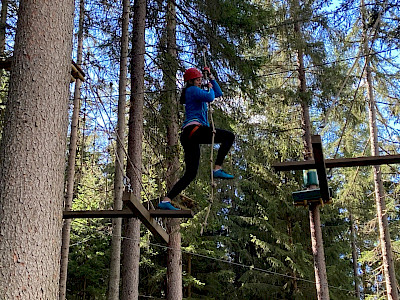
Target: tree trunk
column 131, row 243
column 290, row 235
column 33, row 151
column 113, row 287
column 170, row 113
column 318, row 253
column 189, row 272
column 384, row 235
column 386, row 247
column 70, row 177
column 3, row 25
column 354, row 257
column 314, row 214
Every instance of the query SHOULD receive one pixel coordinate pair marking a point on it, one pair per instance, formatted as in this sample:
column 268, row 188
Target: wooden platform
column 306, row 197
column 147, row 216
column 321, row 164
column 76, row 71
column 135, row 210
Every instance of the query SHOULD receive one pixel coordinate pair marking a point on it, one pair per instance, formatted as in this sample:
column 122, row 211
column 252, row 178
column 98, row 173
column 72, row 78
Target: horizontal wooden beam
column 339, row 163
column 144, row 215
column 71, row 214
column 126, row 213
column 162, row 213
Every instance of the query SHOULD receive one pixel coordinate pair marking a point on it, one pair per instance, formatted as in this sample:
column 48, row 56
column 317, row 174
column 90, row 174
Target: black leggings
column 191, row 146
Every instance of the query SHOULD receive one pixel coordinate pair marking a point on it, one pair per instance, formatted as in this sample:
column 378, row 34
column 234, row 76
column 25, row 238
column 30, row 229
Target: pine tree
column 42, row 45
column 131, row 243
column 113, row 288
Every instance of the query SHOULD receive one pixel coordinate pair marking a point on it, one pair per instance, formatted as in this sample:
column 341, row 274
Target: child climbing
column 196, row 130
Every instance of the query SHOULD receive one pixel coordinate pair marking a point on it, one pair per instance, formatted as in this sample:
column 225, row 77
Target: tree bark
column 70, row 177
column 131, row 243
column 115, row 260
column 32, row 152
column 170, row 112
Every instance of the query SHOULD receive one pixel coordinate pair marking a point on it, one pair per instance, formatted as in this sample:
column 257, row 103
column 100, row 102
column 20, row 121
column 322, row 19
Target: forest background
column 256, row 243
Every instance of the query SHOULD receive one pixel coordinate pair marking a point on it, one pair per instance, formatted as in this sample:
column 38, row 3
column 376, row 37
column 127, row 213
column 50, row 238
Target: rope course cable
column 250, row 267
column 137, row 170
column 244, row 266
column 263, row 75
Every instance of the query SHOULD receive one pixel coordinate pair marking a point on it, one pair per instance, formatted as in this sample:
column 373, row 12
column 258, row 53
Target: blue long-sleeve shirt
column 196, row 103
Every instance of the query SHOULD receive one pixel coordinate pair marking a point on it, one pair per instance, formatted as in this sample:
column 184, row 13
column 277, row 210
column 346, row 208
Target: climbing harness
column 194, row 130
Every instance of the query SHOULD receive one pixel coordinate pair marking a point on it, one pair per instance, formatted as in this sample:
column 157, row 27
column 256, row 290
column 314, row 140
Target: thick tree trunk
column 70, row 178
column 115, row 260
column 314, row 214
column 170, row 112
column 3, row 25
column 131, row 243
column 174, row 261
column 33, row 152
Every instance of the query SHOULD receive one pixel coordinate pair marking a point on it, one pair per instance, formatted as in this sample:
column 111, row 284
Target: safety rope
column 213, row 185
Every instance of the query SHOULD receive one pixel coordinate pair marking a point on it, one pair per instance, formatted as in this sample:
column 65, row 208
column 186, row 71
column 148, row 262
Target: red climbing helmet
column 191, row 73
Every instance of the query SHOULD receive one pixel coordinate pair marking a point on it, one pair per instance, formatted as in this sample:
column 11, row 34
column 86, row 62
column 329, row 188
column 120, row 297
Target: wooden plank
column 143, row 214
column 77, row 72
column 320, row 166
column 362, row 161
column 71, row 214
column 162, row 213
column 339, row 163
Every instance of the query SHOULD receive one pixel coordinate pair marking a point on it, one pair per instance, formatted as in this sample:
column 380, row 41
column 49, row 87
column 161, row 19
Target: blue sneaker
column 167, row 206
column 221, row 174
